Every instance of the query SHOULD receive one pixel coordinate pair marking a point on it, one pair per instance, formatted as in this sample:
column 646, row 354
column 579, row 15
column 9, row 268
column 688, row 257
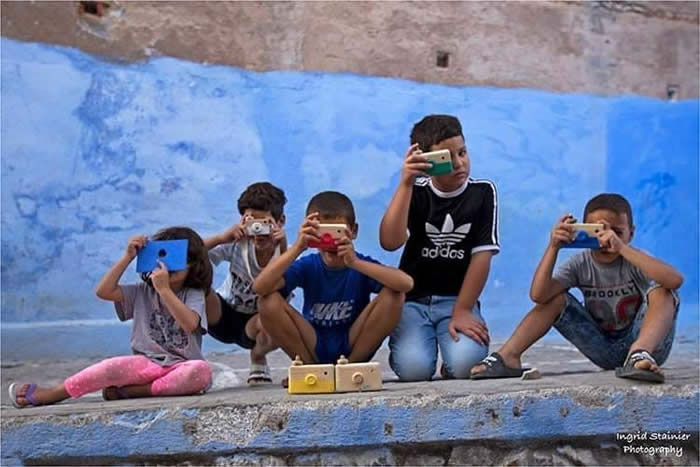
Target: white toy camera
column 255, row 227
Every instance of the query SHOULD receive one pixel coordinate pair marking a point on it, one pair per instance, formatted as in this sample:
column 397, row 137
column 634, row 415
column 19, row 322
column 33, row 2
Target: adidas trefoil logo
column 448, row 235
column 444, row 239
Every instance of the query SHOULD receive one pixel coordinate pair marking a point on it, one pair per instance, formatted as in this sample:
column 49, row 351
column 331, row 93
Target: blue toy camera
column 172, row 253
column 585, row 236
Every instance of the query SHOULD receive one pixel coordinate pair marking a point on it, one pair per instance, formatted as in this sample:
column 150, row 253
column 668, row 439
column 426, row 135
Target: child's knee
column 199, row 374
column 410, row 364
column 661, row 298
column 392, row 296
column 557, row 303
column 461, row 356
column 212, row 307
column 268, row 305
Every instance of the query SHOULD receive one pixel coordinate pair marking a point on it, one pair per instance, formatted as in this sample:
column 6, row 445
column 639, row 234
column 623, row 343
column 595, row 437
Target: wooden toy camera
column 585, row 236
column 254, row 227
column 330, row 234
column 441, row 162
column 310, row 379
column 343, row 377
column 353, row 377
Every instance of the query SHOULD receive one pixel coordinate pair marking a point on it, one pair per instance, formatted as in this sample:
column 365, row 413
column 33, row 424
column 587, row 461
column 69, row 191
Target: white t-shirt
column 243, row 268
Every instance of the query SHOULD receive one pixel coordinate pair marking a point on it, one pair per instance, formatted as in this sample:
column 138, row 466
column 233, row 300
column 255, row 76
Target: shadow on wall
column 94, row 152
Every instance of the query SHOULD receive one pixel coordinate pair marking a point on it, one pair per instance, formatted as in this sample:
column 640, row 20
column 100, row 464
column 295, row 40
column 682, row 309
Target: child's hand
column 415, row 164
column 278, row 235
column 608, row 239
column 563, row 232
column 346, row 250
column 160, row 278
column 135, row 244
column 465, row 322
column 308, row 231
column 235, row 233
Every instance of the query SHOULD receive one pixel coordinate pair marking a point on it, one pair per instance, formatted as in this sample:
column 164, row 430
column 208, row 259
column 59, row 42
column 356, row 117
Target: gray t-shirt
column 155, row 333
column 243, row 268
column 612, row 293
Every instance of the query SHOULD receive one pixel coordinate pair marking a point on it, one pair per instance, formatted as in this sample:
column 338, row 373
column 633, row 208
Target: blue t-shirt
column 333, row 298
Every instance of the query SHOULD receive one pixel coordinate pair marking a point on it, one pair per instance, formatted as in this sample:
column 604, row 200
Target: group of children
column 448, row 226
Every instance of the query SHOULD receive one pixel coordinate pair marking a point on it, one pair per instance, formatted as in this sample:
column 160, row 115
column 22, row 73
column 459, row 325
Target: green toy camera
column 441, row 162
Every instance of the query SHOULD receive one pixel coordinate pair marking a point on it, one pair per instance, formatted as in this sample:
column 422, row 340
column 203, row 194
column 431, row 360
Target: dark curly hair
column 199, row 274
column 433, row 129
column 263, row 196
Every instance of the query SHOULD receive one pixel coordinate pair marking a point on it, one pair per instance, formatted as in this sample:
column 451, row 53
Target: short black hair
column 433, row 129
column 200, row 273
column 332, row 204
column 610, row 201
column 263, row 196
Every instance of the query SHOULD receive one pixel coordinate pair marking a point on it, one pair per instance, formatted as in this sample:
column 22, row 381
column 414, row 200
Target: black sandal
column 628, row 370
column 496, row 368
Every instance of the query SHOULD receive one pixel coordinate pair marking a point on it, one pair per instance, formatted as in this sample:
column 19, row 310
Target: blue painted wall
column 94, row 152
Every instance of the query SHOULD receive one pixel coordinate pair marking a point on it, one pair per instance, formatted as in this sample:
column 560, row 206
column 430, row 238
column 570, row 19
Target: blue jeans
column 607, row 349
column 421, row 329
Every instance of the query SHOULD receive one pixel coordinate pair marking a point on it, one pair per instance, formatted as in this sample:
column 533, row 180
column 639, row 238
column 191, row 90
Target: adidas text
column 444, row 252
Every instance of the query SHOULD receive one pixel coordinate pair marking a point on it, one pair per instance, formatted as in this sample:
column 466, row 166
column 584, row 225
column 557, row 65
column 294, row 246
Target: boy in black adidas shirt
column 449, row 224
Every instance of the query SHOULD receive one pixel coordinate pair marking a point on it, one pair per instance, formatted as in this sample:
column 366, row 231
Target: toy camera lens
column 162, row 253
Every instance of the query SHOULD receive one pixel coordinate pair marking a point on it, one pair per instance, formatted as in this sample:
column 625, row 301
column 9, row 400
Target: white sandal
column 259, row 374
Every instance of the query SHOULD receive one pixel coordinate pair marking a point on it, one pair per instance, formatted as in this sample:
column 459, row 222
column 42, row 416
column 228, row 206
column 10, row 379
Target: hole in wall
column 93, row 8
column 672, row 91
column 443, row 59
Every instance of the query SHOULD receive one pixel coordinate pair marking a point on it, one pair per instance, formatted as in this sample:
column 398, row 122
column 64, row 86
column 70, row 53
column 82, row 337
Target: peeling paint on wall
column 94, row 152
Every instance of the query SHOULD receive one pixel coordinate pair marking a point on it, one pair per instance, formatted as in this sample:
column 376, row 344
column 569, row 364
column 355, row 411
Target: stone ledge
column 219, row 425
column 439, row 422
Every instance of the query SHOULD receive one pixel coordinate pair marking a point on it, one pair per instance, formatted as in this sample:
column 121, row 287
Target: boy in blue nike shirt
column 338, row 316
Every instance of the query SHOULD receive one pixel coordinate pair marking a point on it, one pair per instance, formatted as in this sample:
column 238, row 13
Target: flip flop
column 628, row 370
column 259, row 374
column 496, row 368
column 12, row 391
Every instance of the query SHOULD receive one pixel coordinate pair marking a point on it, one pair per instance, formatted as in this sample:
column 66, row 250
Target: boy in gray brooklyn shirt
column 627, row 320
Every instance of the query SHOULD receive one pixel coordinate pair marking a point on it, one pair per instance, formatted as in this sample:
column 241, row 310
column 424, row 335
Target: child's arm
column 233, row 234
column 392, row 230
column 462, row 318
column 664, row 274
column 108, row 287
column 544, row 287
column 185, row 317
column 271, row 278
column 393, row 278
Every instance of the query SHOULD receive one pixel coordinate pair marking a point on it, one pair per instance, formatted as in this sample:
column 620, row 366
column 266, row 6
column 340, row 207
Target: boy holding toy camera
column 338, row 316
column 248, row 247
column 627, row 318
column 449, row 224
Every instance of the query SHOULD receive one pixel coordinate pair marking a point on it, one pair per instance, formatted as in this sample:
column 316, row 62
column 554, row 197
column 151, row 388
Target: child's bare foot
column 640, row 365
column 648, row 365
column 29, row 394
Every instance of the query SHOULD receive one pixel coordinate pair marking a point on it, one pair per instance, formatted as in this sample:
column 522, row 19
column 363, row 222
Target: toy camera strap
column 246, row 259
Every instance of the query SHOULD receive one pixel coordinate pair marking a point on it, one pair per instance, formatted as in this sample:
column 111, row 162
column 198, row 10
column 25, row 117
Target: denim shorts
column 607, row 349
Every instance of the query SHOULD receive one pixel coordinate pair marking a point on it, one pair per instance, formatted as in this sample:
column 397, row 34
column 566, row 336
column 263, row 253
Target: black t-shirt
column 445, row 230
